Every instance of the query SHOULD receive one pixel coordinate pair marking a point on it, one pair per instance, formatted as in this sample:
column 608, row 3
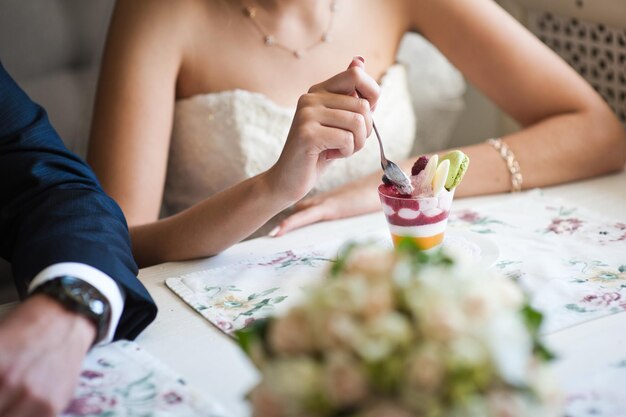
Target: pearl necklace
column 271, row 41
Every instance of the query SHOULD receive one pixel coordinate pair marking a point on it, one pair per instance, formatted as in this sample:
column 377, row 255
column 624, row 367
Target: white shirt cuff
column 94, row 277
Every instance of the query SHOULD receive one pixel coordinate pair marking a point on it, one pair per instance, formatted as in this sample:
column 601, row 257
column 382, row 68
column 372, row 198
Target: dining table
column 536, row 237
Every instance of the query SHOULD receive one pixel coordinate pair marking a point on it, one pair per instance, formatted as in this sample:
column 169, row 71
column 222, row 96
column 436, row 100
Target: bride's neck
column 281, row 7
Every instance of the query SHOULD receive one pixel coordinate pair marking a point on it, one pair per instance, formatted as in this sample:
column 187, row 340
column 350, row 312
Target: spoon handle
column 383, row 159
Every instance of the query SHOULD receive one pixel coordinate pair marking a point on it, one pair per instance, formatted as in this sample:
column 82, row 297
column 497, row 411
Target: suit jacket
column 52, row 208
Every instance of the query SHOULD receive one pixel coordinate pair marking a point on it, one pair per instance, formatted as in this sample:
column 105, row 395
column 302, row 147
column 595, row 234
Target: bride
column 197, row 97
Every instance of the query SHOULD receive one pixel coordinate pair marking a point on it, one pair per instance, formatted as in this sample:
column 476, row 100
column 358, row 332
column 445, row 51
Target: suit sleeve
column 53, row 210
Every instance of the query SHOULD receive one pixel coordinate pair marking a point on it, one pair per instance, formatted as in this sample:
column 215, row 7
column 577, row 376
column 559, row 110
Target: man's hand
column 42, row 346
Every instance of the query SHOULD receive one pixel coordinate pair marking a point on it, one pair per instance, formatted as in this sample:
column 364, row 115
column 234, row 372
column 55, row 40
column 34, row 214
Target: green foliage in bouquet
column 403, row 333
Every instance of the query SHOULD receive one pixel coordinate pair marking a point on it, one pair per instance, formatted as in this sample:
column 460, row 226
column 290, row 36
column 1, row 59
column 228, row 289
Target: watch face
column 97, row 306
column 81, row 297
column 86, row 296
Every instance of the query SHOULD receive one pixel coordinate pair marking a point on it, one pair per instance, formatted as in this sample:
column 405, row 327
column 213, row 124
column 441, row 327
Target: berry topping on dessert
column 430, row 175
column 419, row 165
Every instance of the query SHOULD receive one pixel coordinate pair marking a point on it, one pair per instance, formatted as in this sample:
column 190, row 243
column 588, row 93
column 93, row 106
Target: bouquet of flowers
column 403, row 333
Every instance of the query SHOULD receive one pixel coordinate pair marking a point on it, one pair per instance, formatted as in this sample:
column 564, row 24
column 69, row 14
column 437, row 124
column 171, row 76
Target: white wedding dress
column 220, row 139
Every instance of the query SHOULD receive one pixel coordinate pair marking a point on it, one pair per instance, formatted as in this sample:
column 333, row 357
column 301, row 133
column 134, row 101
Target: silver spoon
column 392, row 171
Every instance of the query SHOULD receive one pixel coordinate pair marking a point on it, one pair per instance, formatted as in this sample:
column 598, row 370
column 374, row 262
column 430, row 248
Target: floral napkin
column 123, row 380
column 233, row 296
column 571, row 261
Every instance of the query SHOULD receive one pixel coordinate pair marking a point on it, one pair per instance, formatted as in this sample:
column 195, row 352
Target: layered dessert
column 422, row 216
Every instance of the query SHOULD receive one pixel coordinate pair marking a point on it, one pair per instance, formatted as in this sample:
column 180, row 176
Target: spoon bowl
column 391, row 170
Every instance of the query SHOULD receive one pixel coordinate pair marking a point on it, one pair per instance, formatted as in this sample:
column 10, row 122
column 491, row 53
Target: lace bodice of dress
column 220, row 139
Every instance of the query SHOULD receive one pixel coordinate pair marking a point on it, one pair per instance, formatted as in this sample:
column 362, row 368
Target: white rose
column 297, row 382
column 511, row 346
column 442, row 321
column 346, row 294
column 479, row 302
column 266, row 403
column 335, row 330
column 426, row 369
column 346, row 383
column 291, row 334
column 469, row 351
column 378, row 338
column 386, row 409
column 503, row 403
column 375, row 262
column 547, row 389
column 508, row 292
column 379, row 299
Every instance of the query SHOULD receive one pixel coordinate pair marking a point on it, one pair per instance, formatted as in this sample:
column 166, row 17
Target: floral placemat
column 571, row 261
column 123, row 380
column 233, row 296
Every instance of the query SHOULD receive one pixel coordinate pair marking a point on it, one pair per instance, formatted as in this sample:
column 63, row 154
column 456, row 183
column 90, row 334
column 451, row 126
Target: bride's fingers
column 302, row 218
column 322, row 105
column 359, row 125
column 336, row 142
column 357, row 61
column 335, row 101
column 350, row 104
column 348, row 82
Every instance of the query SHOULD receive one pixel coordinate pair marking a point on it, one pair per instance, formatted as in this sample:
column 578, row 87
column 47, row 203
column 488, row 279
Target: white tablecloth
column 212, row 363
column 592, row 355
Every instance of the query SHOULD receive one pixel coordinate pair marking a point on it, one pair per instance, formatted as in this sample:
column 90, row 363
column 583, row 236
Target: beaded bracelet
column 511, row 163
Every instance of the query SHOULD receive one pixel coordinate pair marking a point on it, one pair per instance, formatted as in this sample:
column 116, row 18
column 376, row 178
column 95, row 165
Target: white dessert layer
column 388, row 210
column 419, row 231
column 430, row 206
column 445, row 199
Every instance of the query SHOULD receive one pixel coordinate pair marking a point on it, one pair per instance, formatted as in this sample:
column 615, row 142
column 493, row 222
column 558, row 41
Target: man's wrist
column 96, row 278
column 81, row 298
column 48, row 317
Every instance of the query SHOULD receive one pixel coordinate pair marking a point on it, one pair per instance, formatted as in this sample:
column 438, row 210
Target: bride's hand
column 352, row 199
column 330, row 122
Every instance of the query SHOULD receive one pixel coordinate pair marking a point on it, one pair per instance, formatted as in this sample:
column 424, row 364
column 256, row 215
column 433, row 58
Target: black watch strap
column 82, row 298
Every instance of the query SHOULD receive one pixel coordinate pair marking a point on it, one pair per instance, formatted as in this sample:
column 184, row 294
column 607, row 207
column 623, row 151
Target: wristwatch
column 82, row 298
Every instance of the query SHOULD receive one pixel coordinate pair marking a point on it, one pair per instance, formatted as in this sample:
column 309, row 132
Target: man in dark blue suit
column 70, row 251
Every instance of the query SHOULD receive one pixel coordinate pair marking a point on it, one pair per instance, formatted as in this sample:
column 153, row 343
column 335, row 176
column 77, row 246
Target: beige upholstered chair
column 52, row 48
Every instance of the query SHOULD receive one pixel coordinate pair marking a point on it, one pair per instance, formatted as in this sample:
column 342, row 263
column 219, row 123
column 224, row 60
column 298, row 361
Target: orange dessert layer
column 423, row 243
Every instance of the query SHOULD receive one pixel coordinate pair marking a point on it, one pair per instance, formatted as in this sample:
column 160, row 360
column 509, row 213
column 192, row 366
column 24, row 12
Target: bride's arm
column 130, row 142
column 132, row 121
column 329, row 123
column 569, row 133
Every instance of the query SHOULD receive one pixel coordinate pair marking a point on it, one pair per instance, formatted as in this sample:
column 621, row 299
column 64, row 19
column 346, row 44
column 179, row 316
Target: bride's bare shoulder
column 149, row 26
column 152, row 16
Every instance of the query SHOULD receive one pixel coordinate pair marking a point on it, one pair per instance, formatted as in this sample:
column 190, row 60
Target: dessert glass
column 421, row 219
